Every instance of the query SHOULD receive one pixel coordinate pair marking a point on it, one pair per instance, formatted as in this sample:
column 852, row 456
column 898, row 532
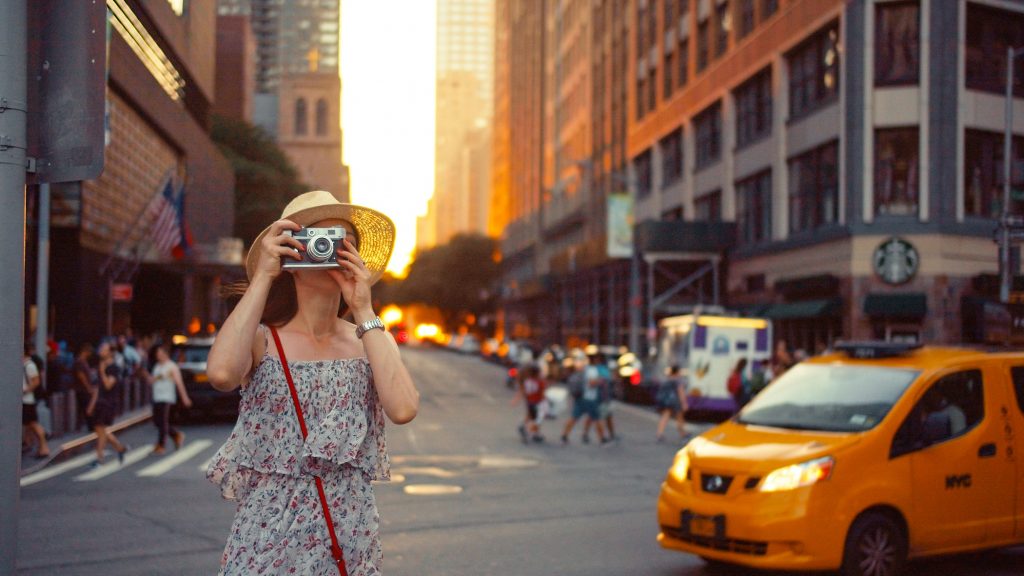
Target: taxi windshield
column 834, row 398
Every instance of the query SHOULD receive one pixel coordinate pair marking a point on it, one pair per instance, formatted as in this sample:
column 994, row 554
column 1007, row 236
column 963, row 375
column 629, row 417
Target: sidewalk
column 62, row 447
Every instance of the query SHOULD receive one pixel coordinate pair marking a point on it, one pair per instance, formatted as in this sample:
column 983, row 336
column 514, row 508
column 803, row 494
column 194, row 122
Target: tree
column 458, row 278
column 265, row 180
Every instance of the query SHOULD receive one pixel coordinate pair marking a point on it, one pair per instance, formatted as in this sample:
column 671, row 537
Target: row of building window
column 302, row 120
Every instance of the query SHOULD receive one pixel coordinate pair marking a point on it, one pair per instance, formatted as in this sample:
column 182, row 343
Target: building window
column 652, row 91
column 754, row 108
column 896, row 167
column 321, row 117
column 754, row 208
column 671, row 147
column 989, row 32
column 814, row 188
column 667, row 71
column 702, row 46
column 746, row 18
column 723, row 23
column 897, row 44
column 983, row 172
column 672, row 215
column 814, row 72
column 301, row 121
column 708, row 127
column 768, row 7
column 641, row 98
column 642, row 167
column 684, row 62
column 708, row 208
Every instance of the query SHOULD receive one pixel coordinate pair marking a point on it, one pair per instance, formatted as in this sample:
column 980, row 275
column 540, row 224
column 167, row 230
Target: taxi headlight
column 798, row 475
column 680, row 467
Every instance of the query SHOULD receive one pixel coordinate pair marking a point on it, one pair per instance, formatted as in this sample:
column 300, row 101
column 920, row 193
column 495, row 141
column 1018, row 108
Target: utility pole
column 1005, row 274
column 13, row 144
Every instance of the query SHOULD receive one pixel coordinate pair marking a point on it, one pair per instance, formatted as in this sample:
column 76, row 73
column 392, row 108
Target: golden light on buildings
column 391, row 315
column 195, row 325
column 427, row 331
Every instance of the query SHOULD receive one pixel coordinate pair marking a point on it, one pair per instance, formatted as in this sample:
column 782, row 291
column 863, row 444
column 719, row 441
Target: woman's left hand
column 353, row 278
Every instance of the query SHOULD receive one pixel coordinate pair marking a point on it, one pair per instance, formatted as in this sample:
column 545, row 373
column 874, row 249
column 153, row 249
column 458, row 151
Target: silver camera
column 321, row 248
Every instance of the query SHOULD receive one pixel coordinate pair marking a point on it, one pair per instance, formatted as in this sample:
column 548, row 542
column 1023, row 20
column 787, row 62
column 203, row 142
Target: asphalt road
column 467, row 498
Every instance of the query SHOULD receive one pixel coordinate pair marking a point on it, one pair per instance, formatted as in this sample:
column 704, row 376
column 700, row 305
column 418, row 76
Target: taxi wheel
column 875, row 546
column 717, row 567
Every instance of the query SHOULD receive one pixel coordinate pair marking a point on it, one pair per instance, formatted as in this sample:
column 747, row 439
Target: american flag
column 166, row 229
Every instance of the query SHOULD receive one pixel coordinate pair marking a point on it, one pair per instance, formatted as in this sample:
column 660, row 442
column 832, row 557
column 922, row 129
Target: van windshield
column 828, row 397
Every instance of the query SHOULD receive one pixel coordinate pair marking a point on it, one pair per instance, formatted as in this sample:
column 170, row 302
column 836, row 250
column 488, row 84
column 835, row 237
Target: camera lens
column 319, row 249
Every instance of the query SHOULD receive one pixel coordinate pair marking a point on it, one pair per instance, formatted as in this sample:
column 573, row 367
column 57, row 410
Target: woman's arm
column 108, row 381
column 180, row 385
column 395, row 388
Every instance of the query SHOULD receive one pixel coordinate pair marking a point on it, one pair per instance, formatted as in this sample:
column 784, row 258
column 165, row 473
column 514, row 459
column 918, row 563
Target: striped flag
column 166, row 228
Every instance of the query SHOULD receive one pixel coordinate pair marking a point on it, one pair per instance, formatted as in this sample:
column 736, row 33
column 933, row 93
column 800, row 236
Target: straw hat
column 376, row 231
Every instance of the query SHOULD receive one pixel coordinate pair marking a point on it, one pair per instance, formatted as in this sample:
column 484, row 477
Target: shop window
column 708, row 208
column 754, row 108
column 814, row 72
column 897, row 43
column 708, row 127
column 671, row 147
column 989, row 32
column 301, row 120
column 896, row 168
column 672, row 215
column 983, row 174
column 948, row 409
column 814, row 188
column 754, row 208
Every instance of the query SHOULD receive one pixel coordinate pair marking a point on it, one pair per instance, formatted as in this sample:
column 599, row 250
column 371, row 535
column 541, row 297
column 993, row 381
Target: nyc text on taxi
column 857, row 461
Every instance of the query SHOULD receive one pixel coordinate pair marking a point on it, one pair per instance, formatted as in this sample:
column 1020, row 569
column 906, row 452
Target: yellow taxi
column 856, row 461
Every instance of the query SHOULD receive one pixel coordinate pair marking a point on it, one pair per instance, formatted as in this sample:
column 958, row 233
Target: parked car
column 190, row 354
column 858, row 460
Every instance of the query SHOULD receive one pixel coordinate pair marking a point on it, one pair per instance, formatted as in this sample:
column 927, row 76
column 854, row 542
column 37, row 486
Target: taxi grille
column 749, row 547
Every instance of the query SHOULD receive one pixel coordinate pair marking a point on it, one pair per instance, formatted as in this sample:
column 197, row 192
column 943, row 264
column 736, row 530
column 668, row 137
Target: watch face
column 896, row 261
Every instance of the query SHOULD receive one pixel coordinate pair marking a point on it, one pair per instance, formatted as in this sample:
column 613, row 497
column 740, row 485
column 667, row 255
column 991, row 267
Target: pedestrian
column 167, row 387
column 531, row 392
column 103, row 404
column 315, row 391
column 85, row 380
column 31, row 429
column 588, row 404
column 738, row 384
column 671, row 398
column 604, row 409
column 782, row 360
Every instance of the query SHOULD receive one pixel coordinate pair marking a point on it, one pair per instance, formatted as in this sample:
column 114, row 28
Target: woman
column 103, row 404
column 85, row 378
column 167, row 386
column 671, row 399
column 738, row 384
column 347, row 376
column 531, row 391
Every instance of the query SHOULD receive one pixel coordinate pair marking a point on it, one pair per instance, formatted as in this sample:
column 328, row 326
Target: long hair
column 282, row 303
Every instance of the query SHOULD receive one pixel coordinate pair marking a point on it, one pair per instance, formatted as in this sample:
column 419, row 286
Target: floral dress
column 266, row 466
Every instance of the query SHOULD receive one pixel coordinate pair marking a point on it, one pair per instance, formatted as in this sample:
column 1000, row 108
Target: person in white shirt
column 167, row 385
column 29, row 416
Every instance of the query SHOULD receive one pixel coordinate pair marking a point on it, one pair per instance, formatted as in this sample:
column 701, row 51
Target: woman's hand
column 354, row 281
column 276, row 245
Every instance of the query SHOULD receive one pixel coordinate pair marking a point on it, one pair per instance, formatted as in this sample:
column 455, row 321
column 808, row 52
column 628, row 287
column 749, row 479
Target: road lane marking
column 112, row 465
column 431, row 489
column 427, row 471
column 179, row 457
column 57, row 470
column 205, row 464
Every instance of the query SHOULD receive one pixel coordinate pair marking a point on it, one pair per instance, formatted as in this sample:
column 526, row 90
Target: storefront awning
column 908, row 304
column 804, row 309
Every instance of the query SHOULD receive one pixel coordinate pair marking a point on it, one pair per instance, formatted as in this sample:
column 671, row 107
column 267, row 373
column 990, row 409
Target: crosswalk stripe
column 179, row 457
column 57, row 470
column 205, row 464
column 113, row 465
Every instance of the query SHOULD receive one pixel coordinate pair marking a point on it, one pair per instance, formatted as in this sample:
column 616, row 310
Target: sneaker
column 538, row 438
column 565, row 439
column 659, row 438
column 158, row 450
column 522, row 433
column 95, row 464
column 120, row 455
column 586, row 439
column 179, row 439
column 605, row 441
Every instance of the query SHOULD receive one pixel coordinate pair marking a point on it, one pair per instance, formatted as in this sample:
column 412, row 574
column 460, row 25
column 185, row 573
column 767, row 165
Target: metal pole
column 650, row 302
column 1005, row 277
column 43, row 272
column 13, row 142
column 635, row 301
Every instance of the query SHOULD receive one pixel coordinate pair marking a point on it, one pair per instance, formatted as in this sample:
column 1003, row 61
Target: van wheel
column 875, row 546
column 719, row 568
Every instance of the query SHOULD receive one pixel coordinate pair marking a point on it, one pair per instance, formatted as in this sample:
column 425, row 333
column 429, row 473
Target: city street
column 468, row 499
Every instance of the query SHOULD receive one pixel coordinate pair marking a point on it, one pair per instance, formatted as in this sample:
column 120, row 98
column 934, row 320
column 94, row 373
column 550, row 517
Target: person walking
column 588, row 405
column 103, row 404
column 671, row 398
column 315, row 390
column 32, row 431
column 738, row 384
column 85, row 380
column 168, row 386
column 531, row 392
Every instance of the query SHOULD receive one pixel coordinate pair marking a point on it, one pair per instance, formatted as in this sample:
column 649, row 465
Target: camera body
column 321, row 250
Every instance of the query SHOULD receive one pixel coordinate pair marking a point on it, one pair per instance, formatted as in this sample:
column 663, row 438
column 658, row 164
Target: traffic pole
column 13, row 119
column 43, row 275
column 1005, row 274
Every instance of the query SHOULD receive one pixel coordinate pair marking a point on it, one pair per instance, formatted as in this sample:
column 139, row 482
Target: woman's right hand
column 276, row 245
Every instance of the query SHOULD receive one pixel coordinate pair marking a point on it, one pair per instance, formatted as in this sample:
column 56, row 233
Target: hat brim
column 376, row 234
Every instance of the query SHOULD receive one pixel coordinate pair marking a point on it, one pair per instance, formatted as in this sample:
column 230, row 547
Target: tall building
column 464, row 104
column 834, row 165
column 297, row 84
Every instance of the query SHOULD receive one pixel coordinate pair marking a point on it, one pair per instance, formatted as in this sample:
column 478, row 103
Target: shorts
column 585, row 407
column 102, row 414
column 29, row 414
column 531, row 410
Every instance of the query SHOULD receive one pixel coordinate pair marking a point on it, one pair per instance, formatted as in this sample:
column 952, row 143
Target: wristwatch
column 369, row 325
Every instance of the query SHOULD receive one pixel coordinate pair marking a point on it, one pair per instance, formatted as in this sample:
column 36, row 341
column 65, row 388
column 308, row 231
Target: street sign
column 1016, row 235
column 121, row 292
column 67, row 77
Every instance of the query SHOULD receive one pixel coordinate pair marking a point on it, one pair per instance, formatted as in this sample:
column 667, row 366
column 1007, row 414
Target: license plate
column 703, row 526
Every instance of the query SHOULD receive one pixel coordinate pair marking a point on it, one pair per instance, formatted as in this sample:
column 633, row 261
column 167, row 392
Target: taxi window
column 1018, row 385
column 948, row 409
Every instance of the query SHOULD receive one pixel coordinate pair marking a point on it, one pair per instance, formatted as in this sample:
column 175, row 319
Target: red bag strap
column 336, row 552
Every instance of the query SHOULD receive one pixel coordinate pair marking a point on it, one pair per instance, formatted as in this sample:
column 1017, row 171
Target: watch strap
column 369, row 325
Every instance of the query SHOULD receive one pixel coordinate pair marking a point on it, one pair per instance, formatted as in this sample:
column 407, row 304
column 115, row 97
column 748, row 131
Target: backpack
column 735, row 384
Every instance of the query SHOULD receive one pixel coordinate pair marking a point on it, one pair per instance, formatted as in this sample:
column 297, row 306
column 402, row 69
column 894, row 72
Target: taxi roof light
column 871, row 349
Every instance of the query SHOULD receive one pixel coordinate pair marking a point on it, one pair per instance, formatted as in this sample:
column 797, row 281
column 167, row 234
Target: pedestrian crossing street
column 137, row 461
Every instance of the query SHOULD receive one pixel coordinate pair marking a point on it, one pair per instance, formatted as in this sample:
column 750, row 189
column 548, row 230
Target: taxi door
column 950, row 441
column 1013, row 431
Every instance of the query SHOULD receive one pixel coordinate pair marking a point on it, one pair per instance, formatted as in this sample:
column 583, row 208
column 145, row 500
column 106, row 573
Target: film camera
column 321, row 248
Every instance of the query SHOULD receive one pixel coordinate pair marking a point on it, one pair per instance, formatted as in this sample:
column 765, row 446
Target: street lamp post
column 1005, row 274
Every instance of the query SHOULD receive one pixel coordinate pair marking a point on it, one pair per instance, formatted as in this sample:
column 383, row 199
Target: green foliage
column 265, row 180
column 458, row 278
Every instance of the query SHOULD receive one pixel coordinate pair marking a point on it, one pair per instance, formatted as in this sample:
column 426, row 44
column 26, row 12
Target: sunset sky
column 387, row 83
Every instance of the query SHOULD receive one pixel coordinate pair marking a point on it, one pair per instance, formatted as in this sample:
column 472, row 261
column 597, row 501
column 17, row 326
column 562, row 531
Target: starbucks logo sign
column 896, row 261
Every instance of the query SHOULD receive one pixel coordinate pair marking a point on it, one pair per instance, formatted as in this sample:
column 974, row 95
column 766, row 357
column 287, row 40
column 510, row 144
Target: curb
column 128, row 421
